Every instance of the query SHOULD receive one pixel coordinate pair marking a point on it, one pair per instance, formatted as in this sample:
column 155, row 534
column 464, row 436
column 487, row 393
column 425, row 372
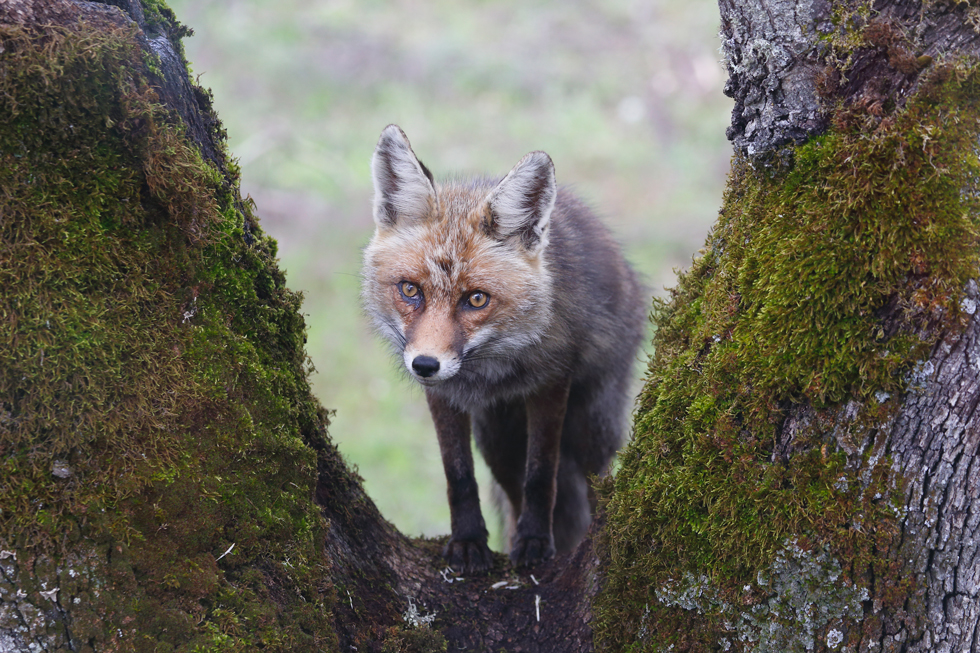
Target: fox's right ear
column 403, row 186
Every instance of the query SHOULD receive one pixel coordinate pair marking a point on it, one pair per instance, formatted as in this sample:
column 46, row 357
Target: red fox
column 512, row 306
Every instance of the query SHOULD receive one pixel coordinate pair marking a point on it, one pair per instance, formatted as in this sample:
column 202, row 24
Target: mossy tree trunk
column 166, row 479
column 804, row 474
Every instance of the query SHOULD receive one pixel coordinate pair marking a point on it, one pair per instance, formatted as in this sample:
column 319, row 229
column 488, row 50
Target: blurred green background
column 626, row 97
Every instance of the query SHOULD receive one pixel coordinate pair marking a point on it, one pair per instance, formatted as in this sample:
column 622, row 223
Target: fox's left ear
column 522, row 203
column 403, row 186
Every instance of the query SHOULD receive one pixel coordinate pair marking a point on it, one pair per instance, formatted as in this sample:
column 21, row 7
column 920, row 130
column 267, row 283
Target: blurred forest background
column 625, row 95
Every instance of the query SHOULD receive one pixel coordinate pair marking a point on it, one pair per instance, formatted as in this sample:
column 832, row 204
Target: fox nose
column 425, row 366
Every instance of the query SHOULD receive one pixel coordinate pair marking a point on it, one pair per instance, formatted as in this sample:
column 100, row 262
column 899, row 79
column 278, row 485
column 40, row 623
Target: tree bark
column 932, row 441
column 785, row 69
column 799, row 491
column 933, row 445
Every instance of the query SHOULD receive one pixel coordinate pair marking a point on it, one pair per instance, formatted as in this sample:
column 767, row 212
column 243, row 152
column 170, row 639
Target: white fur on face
column 448, row 365
column 522, row 203
column 402, row 191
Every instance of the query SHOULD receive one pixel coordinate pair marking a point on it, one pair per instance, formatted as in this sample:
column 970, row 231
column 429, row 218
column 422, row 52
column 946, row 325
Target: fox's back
column 600, row 307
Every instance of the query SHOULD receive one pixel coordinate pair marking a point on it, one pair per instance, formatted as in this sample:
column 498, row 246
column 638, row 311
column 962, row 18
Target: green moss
column 819, row 288
column 413, row 640
column 160, row 16
column 154, row 359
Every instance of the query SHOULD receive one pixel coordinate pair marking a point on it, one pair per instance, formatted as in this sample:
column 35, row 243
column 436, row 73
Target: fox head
column 455, row 276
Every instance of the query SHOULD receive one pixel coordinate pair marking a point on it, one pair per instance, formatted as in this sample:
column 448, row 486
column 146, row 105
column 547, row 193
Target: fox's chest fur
column 510, row 303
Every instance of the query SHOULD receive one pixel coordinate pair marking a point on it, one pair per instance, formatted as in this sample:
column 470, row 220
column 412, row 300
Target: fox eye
column 478, row 299
column 409, row 290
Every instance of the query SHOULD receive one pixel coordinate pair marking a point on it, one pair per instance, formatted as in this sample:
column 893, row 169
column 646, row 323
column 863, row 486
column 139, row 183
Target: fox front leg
column 534, row 540
column 467, row 549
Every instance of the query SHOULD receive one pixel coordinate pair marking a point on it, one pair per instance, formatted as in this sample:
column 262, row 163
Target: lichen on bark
column 772, row 57
column 789, row 604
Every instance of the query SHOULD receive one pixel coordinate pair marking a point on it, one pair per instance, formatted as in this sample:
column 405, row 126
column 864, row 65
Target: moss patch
column 154, row 405
column 413, row 640
column 819, row 288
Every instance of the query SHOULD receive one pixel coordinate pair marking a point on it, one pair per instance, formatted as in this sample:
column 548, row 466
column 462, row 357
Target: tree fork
column 802, row 475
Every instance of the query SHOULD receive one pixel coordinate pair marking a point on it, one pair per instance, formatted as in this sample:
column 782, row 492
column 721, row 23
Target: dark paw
column 529, row 551
column 468, row 556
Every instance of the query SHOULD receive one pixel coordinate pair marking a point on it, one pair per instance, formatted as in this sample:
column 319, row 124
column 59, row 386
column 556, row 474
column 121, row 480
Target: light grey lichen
column 36, row 596
column 769, row 52
column 416, row 619
column 834, row 638
column 787, row 609
column 921, row 373
column 60, row 469
column 968, row 305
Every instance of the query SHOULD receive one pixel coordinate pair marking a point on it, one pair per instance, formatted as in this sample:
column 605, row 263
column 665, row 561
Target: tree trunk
column 803, row 474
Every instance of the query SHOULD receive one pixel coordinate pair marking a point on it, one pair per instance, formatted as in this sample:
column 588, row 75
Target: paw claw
column 529, row 551
column 468, row 556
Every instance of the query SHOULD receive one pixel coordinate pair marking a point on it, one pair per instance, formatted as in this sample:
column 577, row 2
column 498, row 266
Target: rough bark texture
column 804, row 459
column 933, row 445
column 772, row 64
column 785, row 60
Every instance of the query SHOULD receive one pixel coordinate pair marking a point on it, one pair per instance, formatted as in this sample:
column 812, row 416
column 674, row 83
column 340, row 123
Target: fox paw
column 529, row 551
column 468, row 556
